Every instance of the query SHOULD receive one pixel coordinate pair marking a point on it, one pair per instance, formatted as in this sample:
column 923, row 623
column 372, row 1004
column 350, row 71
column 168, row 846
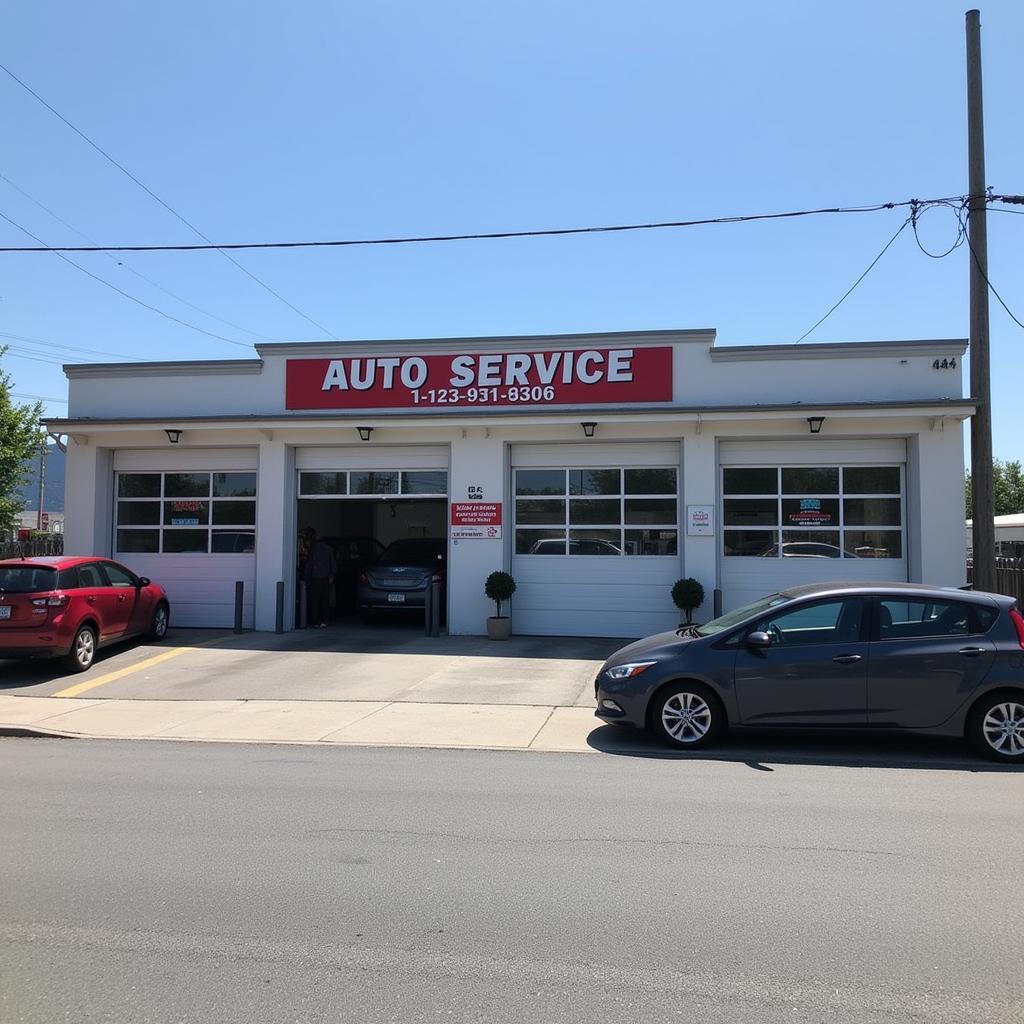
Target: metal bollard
column 717, row 603
column 428, row 598
column 239, row 593
column 279, row 611
column 302, row 605
column 434, row 588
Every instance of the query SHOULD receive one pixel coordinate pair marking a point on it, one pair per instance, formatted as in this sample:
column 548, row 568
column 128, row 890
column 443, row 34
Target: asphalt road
column 160, row 882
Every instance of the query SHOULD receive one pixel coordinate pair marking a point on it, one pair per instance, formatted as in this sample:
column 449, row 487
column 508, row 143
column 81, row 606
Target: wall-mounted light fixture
column 814, row 423
column 174, row 436
column 364, row 433
column 588, row 428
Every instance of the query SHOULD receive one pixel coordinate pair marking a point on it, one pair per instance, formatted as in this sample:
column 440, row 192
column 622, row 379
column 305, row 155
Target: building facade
column 597, row 469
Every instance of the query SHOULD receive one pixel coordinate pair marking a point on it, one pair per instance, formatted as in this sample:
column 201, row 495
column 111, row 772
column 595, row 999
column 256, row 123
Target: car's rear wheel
column 995, row 727
column 161, row 619
column 687, row 715
column 83, row 650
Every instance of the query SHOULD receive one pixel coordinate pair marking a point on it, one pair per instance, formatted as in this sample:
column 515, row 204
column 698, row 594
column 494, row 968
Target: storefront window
column 172, row 513
column 812, row 512
column 373, row 483
column 593, row 512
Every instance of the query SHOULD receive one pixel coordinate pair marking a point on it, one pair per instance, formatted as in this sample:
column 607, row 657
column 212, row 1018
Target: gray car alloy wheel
column 159, row 629
column 1003, row 728
column 686, row 717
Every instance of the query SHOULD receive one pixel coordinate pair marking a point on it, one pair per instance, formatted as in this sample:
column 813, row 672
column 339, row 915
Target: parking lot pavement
column 345, row 663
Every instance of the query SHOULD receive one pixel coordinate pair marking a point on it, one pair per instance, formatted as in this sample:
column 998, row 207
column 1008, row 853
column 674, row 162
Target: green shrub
column 499, row 587
column 687, row 595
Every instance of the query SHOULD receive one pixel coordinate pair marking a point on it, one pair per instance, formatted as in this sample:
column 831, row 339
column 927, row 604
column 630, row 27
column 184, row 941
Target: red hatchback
column 70, row 607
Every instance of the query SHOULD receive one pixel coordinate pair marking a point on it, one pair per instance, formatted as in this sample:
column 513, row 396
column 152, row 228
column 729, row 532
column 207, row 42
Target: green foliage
column 499, row 587
column 687, row 595
column 21, row 438
column 1007, row 489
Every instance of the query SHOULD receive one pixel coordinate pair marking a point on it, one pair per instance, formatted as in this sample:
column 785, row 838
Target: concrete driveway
column 343, row 663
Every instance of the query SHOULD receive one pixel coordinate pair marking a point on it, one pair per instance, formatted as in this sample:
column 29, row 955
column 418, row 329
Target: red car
column 69, row 607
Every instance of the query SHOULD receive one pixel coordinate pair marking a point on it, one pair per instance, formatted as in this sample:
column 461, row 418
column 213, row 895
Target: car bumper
column 621, row 701
column 32, row 643
column 373, row 598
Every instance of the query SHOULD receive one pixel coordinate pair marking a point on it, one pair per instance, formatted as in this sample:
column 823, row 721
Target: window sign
column 700, row 520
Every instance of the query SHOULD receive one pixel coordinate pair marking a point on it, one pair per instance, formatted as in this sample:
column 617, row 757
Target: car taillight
column 363, row 578
column 1018, row 624
column 53, row 601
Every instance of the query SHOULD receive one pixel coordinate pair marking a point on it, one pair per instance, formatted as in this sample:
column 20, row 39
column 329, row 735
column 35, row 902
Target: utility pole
column 42, row 485
column 984, row 534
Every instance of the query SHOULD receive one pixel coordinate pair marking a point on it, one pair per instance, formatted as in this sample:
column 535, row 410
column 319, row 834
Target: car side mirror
column 759, row 639
column 144, row 581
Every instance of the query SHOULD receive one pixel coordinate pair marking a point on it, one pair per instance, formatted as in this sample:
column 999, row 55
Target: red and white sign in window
column 476, row 520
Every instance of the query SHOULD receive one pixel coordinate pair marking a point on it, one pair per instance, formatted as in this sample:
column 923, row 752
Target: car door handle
column 120, row 598
column 972, row 652
column 90, row 600
column 846, row 659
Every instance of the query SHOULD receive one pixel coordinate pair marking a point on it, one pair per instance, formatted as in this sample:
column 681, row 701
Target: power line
column 145, row 188
column 129, row 267
column 71, row 348
column 39, row 398
column 127, row 295
column 849, row 290
column 481, row 235
column 992, row 287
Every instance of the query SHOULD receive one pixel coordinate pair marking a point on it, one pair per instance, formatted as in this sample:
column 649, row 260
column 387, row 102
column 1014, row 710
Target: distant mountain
column 53, row 494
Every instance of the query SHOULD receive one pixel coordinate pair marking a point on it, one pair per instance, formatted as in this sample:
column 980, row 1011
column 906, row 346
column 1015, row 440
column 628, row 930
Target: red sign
column 474, row 380
column 476, row 513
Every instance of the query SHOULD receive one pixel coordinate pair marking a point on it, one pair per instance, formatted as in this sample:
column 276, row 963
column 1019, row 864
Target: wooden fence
column 1009, row 577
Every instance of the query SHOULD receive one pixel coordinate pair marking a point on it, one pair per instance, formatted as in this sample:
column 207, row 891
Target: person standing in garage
column 319, row 573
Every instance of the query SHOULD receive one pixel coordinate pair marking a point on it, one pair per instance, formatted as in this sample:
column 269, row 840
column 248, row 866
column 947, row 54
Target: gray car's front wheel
column 687, row 716
column 995, row 727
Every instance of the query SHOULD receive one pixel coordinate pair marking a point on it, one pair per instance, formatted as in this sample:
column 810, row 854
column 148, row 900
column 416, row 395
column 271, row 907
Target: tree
column 1007, row 488
column 21, row 438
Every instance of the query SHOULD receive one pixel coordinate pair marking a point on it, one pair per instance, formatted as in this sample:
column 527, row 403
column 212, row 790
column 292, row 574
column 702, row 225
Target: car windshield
column 413, row 552
column 737, row 615
column 27, row 579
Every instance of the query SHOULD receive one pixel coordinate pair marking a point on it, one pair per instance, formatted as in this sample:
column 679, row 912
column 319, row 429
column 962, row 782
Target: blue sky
column 260, row 121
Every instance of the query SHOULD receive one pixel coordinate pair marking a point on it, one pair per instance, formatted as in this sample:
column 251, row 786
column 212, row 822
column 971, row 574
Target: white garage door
column 810, row 512
column 595, row 538
column 187, row 520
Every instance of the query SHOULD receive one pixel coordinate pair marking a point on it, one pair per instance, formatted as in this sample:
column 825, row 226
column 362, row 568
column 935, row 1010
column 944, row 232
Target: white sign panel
column 700, row 520
column 475, row 533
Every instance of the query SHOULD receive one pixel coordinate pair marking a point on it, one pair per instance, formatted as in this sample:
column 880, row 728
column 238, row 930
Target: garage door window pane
column 810, row 512
column 651, row 542
column 539, row 511
column 234, row 485
column 871, row 480
column 650, row 481
column 138, row 513
column 138, row 485
column 871, row 512
column 185, row 541
column 233, row 542
column 810, row 480
column 373, row 483
column 323, row 483
column 594, row 510
column 138, row 541
column 186, row 513
column 750, row 481
column 426, row 482
column 873, row 544
column 234, row 513
column 540, row 542
column 748, row 543
column 540, row 481
column 650, row 511
column 186, row 485
column 595, row 542
column 594, row 481
column 811, row 544
column 751, row 512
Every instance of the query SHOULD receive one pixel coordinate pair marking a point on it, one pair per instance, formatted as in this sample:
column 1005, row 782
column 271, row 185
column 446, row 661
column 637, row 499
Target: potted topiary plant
column 687, row 595
column 499, row 587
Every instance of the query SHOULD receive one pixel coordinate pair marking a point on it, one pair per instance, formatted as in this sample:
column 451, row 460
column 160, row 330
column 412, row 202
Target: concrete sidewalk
column 364, row 723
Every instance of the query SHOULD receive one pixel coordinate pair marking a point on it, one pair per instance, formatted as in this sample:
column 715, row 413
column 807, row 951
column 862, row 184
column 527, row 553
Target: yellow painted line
column 91, row 684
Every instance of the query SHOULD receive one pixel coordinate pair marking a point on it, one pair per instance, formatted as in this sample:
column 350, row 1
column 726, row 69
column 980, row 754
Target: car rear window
column 27, row 579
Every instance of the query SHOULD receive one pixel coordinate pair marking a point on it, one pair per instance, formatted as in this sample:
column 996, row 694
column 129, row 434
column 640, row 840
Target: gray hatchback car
column 846, row 655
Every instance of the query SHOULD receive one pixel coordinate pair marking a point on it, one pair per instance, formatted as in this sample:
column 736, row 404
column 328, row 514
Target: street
column 160, row 882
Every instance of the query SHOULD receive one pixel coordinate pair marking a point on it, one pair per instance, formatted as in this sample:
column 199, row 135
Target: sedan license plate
column 5, row 611
column 396, row 598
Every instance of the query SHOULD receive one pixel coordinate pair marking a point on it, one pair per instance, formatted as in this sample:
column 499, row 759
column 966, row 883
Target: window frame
column 974, row 623
column 398, row 495
column 566, row 499
column 841, row 495
column 163, row 501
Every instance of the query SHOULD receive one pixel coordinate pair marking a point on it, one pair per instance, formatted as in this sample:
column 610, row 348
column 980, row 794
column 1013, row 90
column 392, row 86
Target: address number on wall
column 944, row 364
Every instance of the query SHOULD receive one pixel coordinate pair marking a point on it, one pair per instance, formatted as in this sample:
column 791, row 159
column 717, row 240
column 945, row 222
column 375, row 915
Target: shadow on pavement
column 839, row 749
